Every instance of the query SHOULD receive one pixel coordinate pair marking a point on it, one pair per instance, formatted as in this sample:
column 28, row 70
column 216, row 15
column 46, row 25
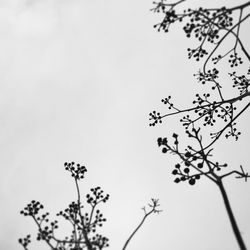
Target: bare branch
column 153, row 209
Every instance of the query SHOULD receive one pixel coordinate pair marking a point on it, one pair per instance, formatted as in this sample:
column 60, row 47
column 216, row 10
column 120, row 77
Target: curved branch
column 154, row 205
column 219, row 43
column 221, row 132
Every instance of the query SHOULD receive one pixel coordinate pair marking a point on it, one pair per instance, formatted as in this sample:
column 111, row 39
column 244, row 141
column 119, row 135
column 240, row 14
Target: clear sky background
column 78, row 79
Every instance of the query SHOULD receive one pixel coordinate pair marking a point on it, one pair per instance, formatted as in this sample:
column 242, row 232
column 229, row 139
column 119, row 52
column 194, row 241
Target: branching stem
column 231, row 216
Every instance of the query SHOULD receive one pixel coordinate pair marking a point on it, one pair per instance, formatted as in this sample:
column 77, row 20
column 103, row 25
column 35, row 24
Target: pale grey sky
column 77, row 81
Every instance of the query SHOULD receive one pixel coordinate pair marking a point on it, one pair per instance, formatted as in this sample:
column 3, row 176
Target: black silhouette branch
column 218, row 134
column 153, row 209
column 211, row 28
column 196, row 162
column 219, row 43
column 208, row 111
column 207, row 24
column 84, row 234
column 240, row 175
column 231, row 217
column 84, row 224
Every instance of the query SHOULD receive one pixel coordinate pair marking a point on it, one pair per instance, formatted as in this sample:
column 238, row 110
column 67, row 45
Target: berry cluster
column 167, row 101
column 208, row 76
column 32, row 209
column 97, row 197
column 184, row 175
column 25, row 241
column 45, row 233
column 209, row 110
column 206, row 24
column 169, row 18
column 71, row 213
column 156, row 117
column 241, row 82
column 197, row 53
column 206, row 109
column 77, row 171
column 235, row 60
column 193, row 163
column 84, row 224
column 97, row 221
column 99, row 242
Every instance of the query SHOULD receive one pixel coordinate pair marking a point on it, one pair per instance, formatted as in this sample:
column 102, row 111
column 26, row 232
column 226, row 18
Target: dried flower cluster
column 213, row 109
column 84, row 217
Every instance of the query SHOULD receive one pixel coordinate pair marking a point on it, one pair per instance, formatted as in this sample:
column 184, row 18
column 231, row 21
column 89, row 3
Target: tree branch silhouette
column 211, row 27
column 195, row 164
column 84, row 222
column 153, row 209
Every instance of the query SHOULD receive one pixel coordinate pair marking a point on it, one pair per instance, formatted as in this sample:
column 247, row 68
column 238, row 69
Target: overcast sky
column 78, row 79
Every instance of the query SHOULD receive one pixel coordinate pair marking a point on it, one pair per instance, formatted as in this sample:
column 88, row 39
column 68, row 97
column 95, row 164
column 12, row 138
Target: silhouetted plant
column 85, row 221
column 153, row 208
column 211, row 27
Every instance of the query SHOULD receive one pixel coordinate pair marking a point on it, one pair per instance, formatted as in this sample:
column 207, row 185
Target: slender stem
column 238, row 30
column 84, row 232
column 231, row 217
column 242, row 6
column 91, row 215
column 231, row 100
column 137, row 228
